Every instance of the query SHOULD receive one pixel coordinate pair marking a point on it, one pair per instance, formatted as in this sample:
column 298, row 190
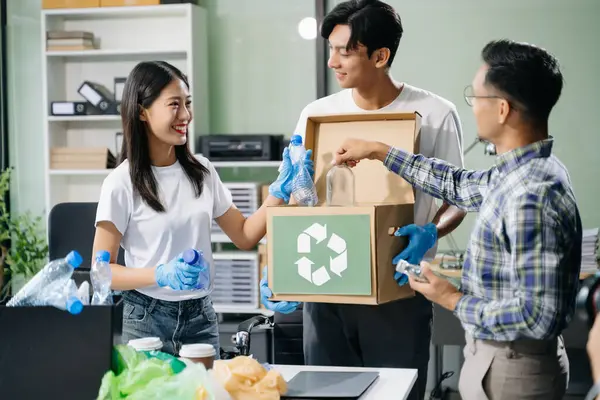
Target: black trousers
column 391, row 335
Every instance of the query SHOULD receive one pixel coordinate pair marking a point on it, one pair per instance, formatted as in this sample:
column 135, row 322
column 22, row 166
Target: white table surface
column 393, row 383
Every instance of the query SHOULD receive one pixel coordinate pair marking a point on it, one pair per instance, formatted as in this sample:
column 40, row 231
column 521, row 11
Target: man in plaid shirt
column 522, row 265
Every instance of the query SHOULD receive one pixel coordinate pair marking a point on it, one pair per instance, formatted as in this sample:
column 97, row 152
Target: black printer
column 242, row 147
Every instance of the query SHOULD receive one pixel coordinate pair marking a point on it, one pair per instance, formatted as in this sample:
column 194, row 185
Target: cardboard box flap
column 374, row 183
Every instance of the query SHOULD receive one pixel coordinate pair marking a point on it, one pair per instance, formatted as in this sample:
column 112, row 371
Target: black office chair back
column 71, row 226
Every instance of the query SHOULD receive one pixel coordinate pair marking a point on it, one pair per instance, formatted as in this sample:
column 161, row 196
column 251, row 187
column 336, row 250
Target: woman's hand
column 282, row 187
column 177, row 274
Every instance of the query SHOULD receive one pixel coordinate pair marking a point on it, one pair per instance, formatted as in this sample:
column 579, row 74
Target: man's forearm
column 447, row 219
column 435, row 177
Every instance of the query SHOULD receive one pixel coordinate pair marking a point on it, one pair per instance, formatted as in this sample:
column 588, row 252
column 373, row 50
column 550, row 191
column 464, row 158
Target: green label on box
column 322, row 254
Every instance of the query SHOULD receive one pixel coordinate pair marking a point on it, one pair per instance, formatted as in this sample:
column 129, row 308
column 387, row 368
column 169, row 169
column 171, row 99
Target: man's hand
column 438, row 290
column 421, row 239
column 284, row 307
column 354, row 150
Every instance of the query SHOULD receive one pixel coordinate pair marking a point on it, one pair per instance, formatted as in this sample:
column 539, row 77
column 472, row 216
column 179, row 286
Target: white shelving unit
column 127, row 35
column 174, row 33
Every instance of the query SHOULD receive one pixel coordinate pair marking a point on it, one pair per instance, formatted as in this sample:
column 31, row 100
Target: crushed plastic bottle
column 59, row 294
column 340, row 186
column 101, row 277
column 303, row 186
column 195, row 257
column 84, row 293
column 56, row 272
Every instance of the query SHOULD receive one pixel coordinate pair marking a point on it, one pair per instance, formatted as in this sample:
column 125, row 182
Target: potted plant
column 28, row 251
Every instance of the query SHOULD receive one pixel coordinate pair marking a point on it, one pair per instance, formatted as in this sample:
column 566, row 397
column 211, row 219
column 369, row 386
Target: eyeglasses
column 469, row 96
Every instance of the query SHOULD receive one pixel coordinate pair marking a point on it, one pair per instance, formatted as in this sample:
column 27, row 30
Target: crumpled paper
column 244, row 378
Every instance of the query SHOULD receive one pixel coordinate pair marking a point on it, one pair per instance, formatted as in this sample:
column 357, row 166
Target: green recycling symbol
column 337, row 264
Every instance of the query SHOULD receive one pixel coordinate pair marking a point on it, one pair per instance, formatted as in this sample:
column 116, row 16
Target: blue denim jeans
column 174, row 322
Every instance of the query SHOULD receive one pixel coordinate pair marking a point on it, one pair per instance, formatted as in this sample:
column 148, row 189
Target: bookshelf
column 175, row 33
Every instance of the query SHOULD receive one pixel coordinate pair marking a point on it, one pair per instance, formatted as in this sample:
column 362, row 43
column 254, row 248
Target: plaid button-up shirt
column 521, row 270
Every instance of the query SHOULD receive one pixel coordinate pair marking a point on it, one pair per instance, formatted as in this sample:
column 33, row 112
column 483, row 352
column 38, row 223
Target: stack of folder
column 69, row 41
column 81, row 158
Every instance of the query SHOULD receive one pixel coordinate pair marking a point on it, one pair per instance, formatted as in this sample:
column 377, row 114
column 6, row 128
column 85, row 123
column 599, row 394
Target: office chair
column 287, row 334
column 71, row 226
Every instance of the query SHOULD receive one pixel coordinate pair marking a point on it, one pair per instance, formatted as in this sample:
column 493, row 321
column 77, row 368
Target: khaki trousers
column 524, row 369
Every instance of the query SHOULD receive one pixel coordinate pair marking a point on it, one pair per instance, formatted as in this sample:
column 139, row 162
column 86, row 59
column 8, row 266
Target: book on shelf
column 69, row 41
column 81, row 158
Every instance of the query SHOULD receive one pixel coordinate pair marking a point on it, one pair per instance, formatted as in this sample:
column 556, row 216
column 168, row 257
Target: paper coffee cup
column 146, row 344
column 199, row 353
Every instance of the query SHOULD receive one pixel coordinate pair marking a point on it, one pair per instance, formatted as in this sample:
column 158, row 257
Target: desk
column 393, row 383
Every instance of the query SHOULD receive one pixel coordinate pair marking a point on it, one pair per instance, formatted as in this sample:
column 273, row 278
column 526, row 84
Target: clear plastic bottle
column 101, row 277
column 60, row 294
column 404, row 267
column 58, row 272
column 83, row 292
column 195, row 257
column 303, row 186
column 340, row 186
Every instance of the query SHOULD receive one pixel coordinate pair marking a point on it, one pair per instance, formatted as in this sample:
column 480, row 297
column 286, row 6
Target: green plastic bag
column 194, row 383
column 134, row 370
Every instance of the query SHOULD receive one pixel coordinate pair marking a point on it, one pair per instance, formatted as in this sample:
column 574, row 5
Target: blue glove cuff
column 158, row 274
column 275, row 191
column 432, row 230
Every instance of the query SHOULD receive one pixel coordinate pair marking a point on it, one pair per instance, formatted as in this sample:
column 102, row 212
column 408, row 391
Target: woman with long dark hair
column 159, row 202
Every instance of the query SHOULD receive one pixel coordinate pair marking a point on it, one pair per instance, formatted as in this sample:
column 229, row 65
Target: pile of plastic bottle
column 54, row 286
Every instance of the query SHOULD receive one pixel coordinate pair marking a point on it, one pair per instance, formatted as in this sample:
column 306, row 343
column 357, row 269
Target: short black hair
column 373, row 23
column 527, row 75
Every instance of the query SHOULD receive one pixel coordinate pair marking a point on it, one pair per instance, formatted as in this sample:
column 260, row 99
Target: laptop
column 329, row 385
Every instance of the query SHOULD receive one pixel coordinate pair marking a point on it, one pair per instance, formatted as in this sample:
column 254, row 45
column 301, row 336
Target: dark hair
column 527, row 75
column 372, row 23
column 143, row 86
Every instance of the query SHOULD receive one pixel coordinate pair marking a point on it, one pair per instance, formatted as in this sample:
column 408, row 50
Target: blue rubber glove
column 284, row 307
column 177, row 274
column 421, row 239
column 282, row 187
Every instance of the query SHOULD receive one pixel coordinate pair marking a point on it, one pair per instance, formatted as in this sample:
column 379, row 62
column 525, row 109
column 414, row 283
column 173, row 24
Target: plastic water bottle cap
column 191, row 256
column 74, row 259
column 296, row 140
column 103, row 255
column 74, row 305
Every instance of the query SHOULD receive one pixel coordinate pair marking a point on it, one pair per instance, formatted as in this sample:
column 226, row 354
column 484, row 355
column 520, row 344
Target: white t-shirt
column 151, row 238
column 441, row 132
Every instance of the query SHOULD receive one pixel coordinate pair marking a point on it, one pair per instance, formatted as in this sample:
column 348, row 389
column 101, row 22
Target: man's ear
column 503, row 111
column 143, row 114
column 382, row 57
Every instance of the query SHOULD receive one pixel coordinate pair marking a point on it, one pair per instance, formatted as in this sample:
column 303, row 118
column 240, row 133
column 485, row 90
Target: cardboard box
column 70, row 3
column 264, row 193
column 344, row 254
